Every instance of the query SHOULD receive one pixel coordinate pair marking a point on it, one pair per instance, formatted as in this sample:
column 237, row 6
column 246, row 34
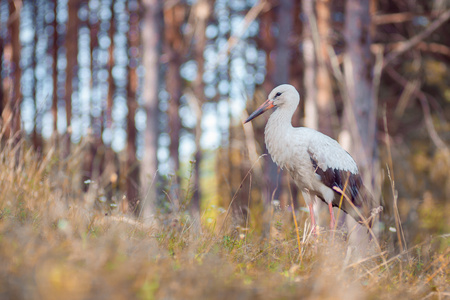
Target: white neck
column 277, row 131
column 280, row 121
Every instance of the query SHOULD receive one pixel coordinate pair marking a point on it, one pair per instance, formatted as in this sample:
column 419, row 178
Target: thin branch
column 393, row 18
column 425, row 107
column 343, row 84
column 248, row 19
column 400, row 17
column 407, row 45
column 434, row 48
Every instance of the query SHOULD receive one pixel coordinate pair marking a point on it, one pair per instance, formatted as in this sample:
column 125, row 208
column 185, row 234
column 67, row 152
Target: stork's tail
column 363, row 208
column 370, row 207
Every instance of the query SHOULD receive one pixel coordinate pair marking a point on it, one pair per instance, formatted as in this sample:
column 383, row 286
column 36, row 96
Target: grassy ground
column 55, row 245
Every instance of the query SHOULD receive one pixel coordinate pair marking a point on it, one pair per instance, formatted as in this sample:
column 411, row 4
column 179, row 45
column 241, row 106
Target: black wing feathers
column 355, row 189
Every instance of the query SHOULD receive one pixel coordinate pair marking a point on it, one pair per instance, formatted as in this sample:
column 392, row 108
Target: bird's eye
column 278, row 94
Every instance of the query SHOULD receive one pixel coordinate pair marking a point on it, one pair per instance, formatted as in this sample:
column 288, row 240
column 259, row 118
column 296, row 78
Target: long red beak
column 265, row 106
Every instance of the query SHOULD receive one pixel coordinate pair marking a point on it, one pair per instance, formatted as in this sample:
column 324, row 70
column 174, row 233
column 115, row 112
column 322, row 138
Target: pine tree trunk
column 94, row 28
column 324, row 87
column 173, row 84
column 309, row 58
column 174, row 16
column 132, row 84
column 36, row 137
column 360, row 110
column 296, row 78
column 15, row 99
column 111, row 83
column 151, row 35
column 2, row 99
column 281, row 76
column 358, row 66
column 313, row 76
column 203, row 11
column 71, row 54
column 269, row 183
column 296, row 65
column 283, row 49
column 55, row 71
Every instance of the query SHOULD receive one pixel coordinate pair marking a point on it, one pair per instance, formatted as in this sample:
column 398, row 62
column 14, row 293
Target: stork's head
column 284, row 95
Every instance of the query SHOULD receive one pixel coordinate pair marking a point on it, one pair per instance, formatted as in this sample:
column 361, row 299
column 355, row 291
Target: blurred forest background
column 142, row 102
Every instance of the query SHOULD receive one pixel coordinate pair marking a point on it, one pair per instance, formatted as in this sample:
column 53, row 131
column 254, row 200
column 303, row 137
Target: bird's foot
column 314, row 231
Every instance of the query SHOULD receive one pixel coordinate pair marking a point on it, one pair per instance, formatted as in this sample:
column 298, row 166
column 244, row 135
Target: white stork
column 316, row 162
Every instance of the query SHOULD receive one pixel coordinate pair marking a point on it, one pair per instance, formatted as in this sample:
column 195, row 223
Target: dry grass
column 55, row 244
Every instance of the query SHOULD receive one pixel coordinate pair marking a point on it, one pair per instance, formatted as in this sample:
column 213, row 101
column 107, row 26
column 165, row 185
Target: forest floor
column 55, row 247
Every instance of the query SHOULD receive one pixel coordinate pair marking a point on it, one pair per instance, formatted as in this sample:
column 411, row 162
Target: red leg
column 332, row 220
column 313, row 219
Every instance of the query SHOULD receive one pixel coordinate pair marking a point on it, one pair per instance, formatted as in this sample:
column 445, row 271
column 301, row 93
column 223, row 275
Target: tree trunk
column 283, row 49
column 151, row 35
column 111, row 166
column 174, row 16
column 267, row 42
column 55, row 71
column 360, row 108
column 296, row 64
column 13, row 105
column 296, row 77
column 132, row 84
column 89, row 149
column 278, row 58
column 36, row 137
column 111, row 83
column 203, row 11
column 312, row 81
column 94, row 28
column 174, row 85
column 2, row 99
column 281, row 76
column 71, row 55
column 309, row 58
column 324, row 87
